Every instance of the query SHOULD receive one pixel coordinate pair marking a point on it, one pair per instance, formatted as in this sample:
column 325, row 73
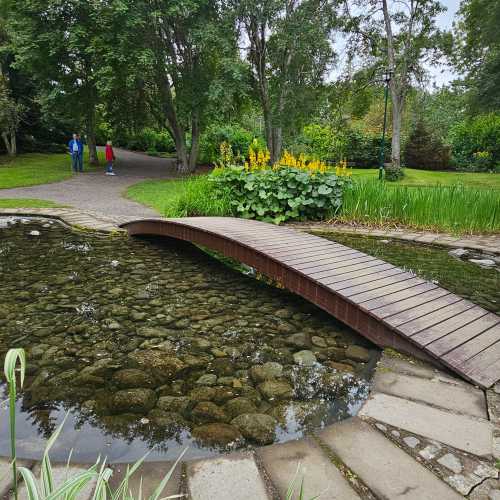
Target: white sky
column 442, row 75
column 439, row 74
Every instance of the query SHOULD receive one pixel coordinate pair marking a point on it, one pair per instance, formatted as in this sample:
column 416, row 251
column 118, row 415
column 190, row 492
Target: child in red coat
column 110, row 158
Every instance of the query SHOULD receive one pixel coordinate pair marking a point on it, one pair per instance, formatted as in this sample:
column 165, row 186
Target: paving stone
column 430, row 451
column 6, row 474
column 451, row 462
column 417, row 368
column 60, row 473
column 463, row 432
column 151, row 474
column 411, row 441
column 230, row 477
column 459, row 398
column 386, row 469
column 321, row 478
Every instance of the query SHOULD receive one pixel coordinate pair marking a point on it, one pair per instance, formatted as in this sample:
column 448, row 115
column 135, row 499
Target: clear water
column 477, row 284
column 148, row 345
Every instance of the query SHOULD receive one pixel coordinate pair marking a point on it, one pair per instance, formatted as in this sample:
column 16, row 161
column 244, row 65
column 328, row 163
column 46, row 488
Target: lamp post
column 387, row 79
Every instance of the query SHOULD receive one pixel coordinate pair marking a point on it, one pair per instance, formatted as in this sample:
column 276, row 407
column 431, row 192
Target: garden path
column 101, row 193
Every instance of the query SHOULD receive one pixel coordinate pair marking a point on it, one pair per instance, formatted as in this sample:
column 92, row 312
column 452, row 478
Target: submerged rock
column 160, row 364
column 304, row 358
column 460, row 253
column 179, row 404
column 276, row 390
column 258, row 427
column 206, row 411
column 238, row 406
column 357, row 353
column 134, row 401
column 218, row 435
column 483, row 262
column 300, row 340
column 130, row 378
column 267, row 371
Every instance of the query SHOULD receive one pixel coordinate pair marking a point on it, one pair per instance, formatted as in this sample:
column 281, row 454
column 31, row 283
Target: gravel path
column 100, row 193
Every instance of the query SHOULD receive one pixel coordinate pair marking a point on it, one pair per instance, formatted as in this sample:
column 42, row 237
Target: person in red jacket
column 110, row 158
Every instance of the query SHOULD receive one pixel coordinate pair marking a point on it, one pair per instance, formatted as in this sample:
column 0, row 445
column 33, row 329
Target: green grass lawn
column 35, row 168
column 27, row 203
column 416, row 178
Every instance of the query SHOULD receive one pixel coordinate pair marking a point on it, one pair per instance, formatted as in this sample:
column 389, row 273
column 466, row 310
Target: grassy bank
column 418, row 178
column 27, row 203
column 191, row 196
column 35, row 168
column 456, row 208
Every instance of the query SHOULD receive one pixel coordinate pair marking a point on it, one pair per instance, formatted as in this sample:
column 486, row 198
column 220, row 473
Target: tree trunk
column 277, row 134
column 10, row 142
column 195, row 136
column 396, row 134
column 91, row 140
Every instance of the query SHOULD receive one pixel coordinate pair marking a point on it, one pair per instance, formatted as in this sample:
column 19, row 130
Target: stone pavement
column 422, row 435
column 97, row 192
column 483, row 243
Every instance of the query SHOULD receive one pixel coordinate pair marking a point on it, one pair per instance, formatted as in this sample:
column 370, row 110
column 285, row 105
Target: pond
column 152, row 345
column 470, row 281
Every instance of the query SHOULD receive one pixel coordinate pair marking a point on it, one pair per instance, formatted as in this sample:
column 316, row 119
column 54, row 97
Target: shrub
column 277, row 195
column 424, row 151
column 239, row 138
column 151, row 140
column 360, row 147
column 475, row 135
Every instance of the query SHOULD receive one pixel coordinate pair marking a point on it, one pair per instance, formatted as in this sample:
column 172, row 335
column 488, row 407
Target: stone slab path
column 390, row 454
column 97, row 192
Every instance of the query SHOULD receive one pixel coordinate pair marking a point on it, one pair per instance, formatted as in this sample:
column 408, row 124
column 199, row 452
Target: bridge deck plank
column 388, row 305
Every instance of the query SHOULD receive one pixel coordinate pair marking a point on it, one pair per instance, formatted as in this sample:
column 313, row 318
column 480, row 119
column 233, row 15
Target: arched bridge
column 389, row 306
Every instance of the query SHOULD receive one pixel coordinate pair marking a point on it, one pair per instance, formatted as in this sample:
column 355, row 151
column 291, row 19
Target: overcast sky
column 444, row 74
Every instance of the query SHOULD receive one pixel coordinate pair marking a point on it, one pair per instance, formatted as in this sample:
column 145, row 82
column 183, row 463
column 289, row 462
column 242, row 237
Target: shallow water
column 470, row 281
column 152, row 345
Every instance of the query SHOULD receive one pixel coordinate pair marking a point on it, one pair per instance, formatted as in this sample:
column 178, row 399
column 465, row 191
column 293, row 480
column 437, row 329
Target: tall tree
column 476, row 52
column 402, row 36
column 290, row 50
column 54, row 40
column 10, row 117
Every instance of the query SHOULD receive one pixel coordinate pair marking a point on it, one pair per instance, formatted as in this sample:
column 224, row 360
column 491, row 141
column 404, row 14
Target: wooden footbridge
column 389, row 306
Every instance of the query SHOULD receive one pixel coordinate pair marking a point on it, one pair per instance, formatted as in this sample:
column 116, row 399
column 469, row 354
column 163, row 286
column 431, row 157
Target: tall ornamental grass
column 456, row 209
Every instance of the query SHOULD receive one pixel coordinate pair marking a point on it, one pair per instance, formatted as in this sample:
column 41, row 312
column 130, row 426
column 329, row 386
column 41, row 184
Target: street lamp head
column 388, row 74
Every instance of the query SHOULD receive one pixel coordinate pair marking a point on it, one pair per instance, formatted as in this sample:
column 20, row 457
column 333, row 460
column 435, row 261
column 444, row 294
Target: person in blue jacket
column 76, row 152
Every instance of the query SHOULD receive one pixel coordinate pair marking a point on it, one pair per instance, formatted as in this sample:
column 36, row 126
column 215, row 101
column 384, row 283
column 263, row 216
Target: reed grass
column 456, row 209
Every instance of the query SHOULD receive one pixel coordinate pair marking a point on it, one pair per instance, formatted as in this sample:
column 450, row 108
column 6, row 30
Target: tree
column 55, row 42
column 476, row 52
column 10, row 117
column 400, row 35
column 290, row 52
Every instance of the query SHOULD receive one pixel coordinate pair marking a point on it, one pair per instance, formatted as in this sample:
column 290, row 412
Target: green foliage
column 239, row 138
column 473, row 135
column 151, row 141
column 476, row 52
column 282, row 194
column 457, row 209
column 352, row 142
column 425, row 151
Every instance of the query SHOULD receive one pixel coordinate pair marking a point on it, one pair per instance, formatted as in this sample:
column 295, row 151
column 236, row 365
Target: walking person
column 80, row 152
column 74, row 151
column 110, row 158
